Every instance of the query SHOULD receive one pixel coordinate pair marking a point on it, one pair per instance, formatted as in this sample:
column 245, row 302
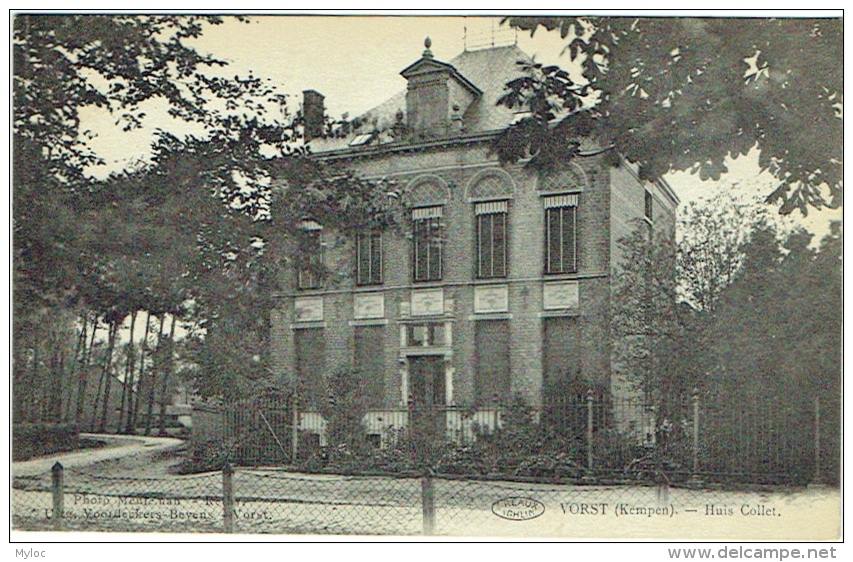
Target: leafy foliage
column 202, row 231
column 344, row 408
column 650, row 327
column 679, row 94
column 714, row 235
column 753, row 329
column 760, row 339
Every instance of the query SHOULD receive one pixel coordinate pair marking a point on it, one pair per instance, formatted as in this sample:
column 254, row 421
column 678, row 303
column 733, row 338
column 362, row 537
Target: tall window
column 491, row 239
column 427, row 243
column 561, row 233
column 369, row 259
column 491, row 359
column 309, row 258
column 309, row 350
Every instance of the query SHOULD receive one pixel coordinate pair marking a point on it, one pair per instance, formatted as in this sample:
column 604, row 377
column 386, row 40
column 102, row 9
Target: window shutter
column 490, row 207
column 565, row 200
column 422, row 213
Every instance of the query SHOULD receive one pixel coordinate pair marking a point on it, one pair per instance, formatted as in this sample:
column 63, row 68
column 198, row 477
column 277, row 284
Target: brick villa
column 504, row 285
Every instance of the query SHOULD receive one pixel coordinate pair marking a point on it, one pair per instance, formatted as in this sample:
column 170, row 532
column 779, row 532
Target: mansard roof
column 487, row 70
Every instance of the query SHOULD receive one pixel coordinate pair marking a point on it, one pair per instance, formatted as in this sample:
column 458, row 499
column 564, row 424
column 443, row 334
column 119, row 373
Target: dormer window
column 437, row 95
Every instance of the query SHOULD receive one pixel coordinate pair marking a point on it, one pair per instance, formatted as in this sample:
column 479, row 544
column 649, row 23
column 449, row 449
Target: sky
column 354, row 61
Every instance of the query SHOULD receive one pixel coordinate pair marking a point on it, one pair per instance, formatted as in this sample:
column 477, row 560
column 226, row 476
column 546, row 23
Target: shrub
column 344, row 409
column 38, row 439
column 204, row 456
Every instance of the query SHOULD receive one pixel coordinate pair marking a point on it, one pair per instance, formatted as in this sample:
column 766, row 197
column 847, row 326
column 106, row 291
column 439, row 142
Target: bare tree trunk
column 170, row 348
column 56, row 381
column 74, row 370
column 64, row 398
column 93, row 424
column 107, row 374
column 33, row 409
column 132, row 417
column 83, row 375
column 153, row 377
column 126, row 388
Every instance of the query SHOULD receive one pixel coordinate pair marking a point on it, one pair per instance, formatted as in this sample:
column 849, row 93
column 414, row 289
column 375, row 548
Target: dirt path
column 117, row 447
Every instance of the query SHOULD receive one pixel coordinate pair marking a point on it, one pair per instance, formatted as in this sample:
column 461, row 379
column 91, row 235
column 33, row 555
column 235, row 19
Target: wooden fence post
column 58, row 489
column 428, row 500
column 228, row 497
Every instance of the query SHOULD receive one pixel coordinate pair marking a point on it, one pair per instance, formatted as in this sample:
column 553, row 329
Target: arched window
column 561, row 192
column 427, row 196
column 490, row 192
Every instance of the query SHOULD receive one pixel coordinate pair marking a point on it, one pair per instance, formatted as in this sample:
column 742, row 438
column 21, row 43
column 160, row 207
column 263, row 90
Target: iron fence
column 596, row 437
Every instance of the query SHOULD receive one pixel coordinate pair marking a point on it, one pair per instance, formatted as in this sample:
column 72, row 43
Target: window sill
column 429, row 350
column 426, row 319
column 366, row 288
column 559, row 313
column 369, row 322
column 557, row 276
column 428, row 283
column 307, row 325
column 491, row 316
column 490, row 280
column 309, row 291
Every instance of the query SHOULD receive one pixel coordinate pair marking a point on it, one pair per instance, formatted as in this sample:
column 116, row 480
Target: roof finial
column 427, row 43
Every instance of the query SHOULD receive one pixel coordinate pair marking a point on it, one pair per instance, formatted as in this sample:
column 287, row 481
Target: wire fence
column 251, row 501
column 75, row 500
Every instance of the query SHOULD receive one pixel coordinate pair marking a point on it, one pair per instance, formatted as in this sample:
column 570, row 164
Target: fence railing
column 685, row 438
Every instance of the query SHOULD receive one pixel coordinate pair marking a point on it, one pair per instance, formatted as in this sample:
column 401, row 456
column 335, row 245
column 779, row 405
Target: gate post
column 694, row 480
column 428, row 501
column 228, row 498
column 57, row 488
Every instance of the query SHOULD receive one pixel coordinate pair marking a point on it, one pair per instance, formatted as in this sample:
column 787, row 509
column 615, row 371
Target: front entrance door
column 426, row 384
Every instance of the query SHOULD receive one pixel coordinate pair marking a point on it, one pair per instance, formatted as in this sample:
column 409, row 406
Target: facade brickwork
column 608, row 201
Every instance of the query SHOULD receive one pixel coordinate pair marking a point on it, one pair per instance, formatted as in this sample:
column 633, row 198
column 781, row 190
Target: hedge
column 39, row 439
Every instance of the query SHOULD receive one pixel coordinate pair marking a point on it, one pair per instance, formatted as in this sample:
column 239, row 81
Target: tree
column 779, row 325
column 652, row 330
column 678, row 94
column 775, row 346
column 209, row 222
column 128, row 243
column 713, row 236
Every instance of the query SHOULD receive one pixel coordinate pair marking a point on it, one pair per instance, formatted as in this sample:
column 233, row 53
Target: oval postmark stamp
column 518, row 508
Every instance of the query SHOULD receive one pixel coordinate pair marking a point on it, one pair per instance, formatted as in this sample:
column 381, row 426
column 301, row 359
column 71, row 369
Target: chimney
column 312, row 112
